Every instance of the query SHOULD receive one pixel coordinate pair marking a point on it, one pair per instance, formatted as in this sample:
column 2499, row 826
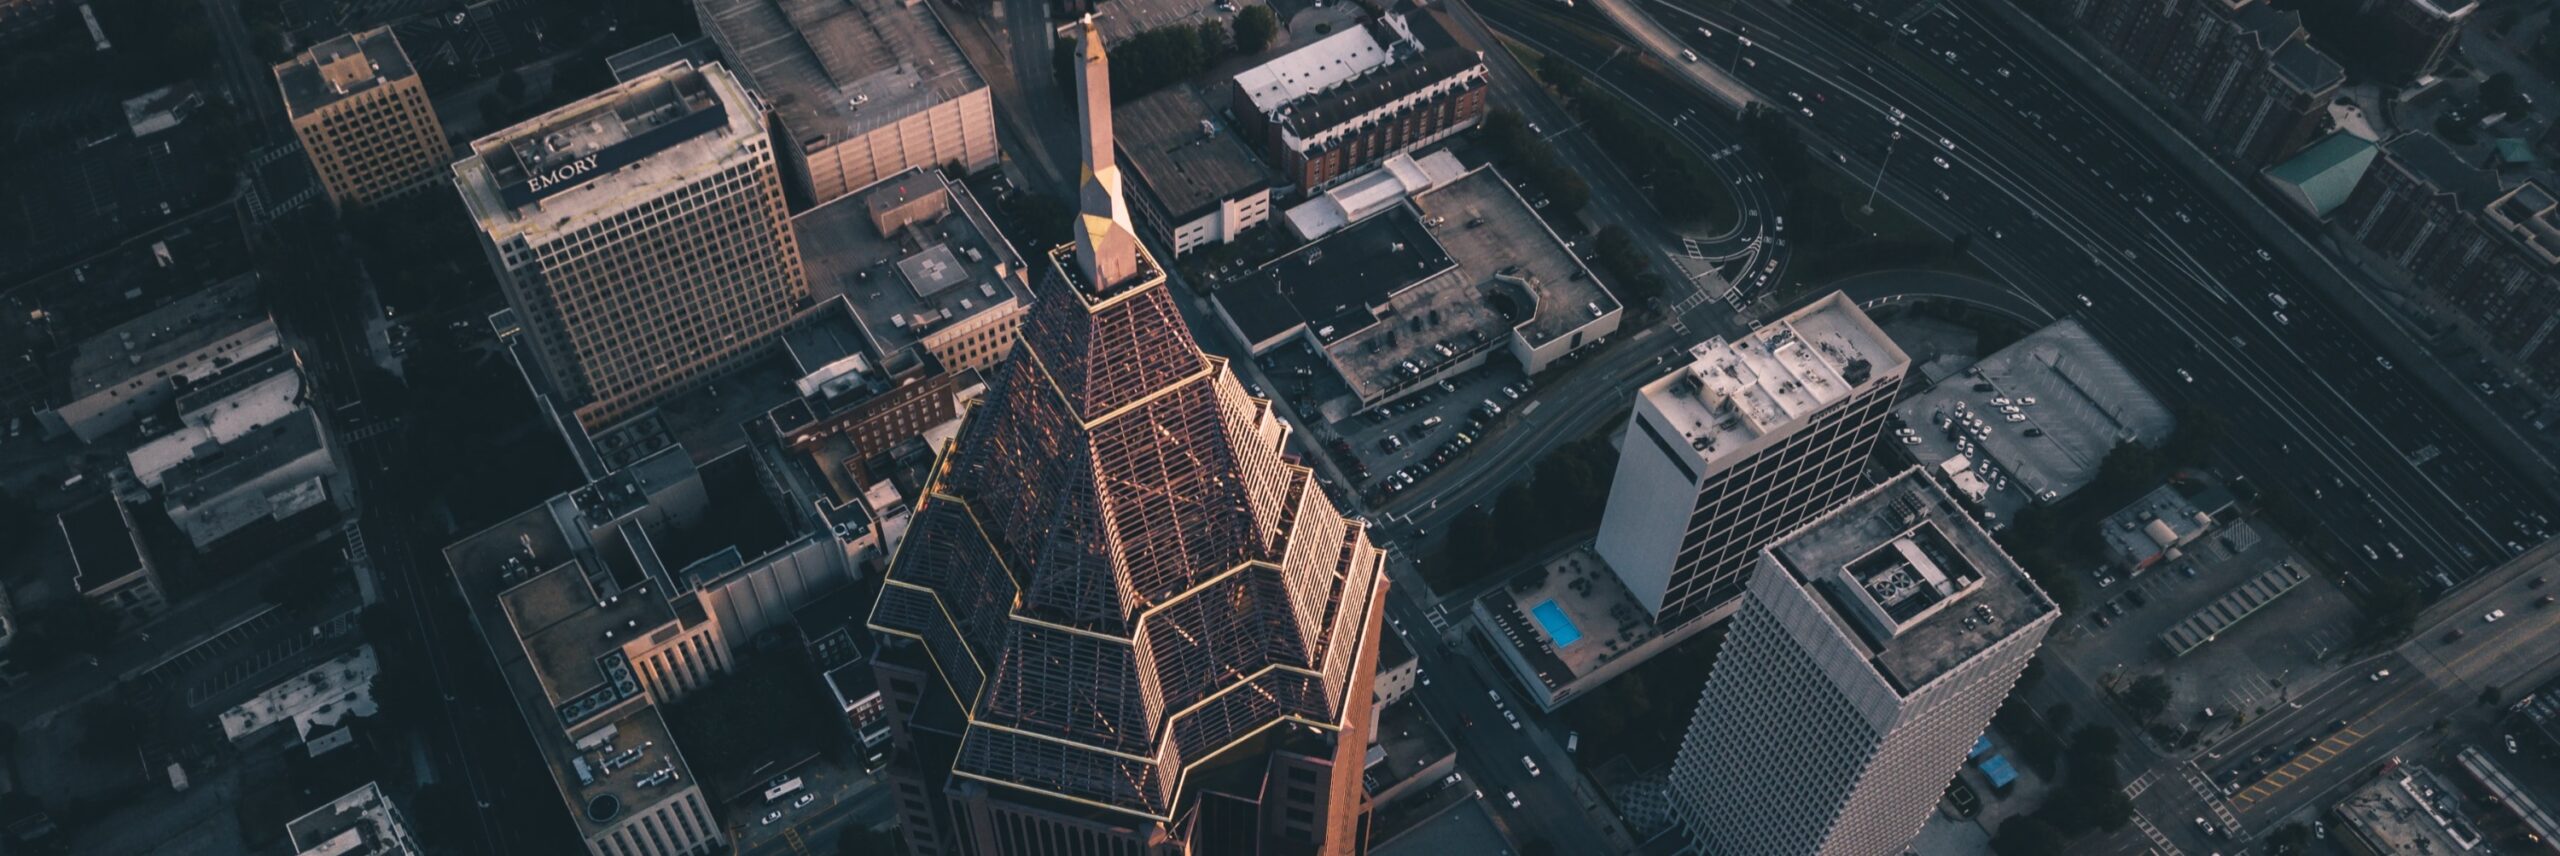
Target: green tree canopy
column 1255, row 27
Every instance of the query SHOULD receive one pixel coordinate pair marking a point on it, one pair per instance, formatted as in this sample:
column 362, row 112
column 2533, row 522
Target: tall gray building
column 1748, row 441
column 1871, row 649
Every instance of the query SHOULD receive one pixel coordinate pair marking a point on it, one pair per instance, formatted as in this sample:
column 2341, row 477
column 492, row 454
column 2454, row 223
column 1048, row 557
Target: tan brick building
column 641, row 235
column 363, row 118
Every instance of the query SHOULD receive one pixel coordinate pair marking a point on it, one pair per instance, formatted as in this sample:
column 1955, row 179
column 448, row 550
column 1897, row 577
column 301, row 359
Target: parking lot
column 1389, row 449
column 2252, row 667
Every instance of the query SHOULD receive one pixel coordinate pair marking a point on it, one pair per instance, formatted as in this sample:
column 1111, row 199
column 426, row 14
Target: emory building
column 641, row 235
column 1870, row 652
column 1748, row 441
column 363, row 118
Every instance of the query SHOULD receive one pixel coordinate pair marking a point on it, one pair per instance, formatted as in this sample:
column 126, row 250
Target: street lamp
column 1872, row 186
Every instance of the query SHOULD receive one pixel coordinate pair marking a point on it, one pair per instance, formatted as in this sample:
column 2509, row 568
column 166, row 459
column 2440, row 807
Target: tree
column 1255, row 26
column 1214, row 47
column 511, row 86
column 2147, row 697
column 2027, row 835
column 1560, row 73
column 2498, row 94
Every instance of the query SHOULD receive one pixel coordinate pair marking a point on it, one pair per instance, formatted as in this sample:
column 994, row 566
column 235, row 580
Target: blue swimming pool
column 1559, row 628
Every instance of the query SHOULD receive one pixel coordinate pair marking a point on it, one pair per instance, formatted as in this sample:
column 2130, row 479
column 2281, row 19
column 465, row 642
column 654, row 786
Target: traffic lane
column 1488, row 746
column 1491, row 753
column 2186, row 192
column 1773, row 64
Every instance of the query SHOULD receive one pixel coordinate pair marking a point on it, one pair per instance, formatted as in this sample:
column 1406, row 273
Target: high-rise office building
column 1122, row 624
column 1872, row 649
column 363, row 118
column 2423, row 32
column 1748, row 441
column 641, row 235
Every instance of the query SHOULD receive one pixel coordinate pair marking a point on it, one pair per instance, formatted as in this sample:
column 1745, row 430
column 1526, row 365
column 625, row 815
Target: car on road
column 2511, row 744
column 1514, row 796
column 2183, row 375
column 1941, row 162
column 1422, row 676
column 2210, row 830
column 771, row 816
column 2543, row 601
column 805, row 799
column 2494, row 615
column 1513, row 718
column 2264, row 257
column 2280, row 319
column 1531, row 764
column 2384, row 362
column 2085, row 301
column 2378, row 676
column 2454, row 635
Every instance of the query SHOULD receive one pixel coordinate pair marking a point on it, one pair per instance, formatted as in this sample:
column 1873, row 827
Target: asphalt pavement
column 2075, row 215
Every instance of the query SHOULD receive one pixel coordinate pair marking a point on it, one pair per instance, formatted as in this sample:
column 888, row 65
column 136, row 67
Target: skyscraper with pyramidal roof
column 1122, row 623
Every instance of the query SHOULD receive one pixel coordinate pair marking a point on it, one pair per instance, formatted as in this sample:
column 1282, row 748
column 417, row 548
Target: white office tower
column 1871, row 648
column 1745, row 443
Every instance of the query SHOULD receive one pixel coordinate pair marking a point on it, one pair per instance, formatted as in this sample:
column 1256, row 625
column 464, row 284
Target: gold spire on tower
column 1106, row 243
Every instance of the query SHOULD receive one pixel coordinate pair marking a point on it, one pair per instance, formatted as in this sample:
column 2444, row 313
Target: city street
column 2016, row 160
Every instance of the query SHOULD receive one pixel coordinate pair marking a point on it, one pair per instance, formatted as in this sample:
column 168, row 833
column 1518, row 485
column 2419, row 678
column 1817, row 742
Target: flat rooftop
column 333, row 70
column 524, row 565
column 2411, row 810
column 834, row 70
column 602, row 151
column 152, row 339
column 102, row 548
column 2152, row 523
column 1606, row 621
column 361, row 823
column 1513, row 245
column 1320, row 65
column 1903, row 570
column 920, row 278
column 2086, row 402
column 323, row 694
column 1185, row 152
column 1732, row 393
column 1331, row 286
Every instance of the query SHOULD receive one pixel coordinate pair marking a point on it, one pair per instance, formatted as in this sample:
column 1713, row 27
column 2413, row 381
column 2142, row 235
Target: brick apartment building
column 1360, row 96
column 2241, row 76
column 2487, row 249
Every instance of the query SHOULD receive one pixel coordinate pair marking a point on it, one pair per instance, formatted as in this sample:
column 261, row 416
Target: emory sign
column 561, row 174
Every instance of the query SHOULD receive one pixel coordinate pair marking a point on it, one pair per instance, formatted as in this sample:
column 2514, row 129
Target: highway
column 2075, row 214
column 2334, row 733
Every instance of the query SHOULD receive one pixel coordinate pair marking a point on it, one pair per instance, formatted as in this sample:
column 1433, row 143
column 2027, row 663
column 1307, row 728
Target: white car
column 1949, row 144
column 2016, row 417
column 2085, row 301
column 2000, row 400
column 2384, row 362
column 2494, row 615
column 2183, row 375
column 771, row 816
column 1513, row 797
column 1422, row 676
column 804, row 800
column 1910, row 441
column 1941, row 162
column 2264, row 257
column 1532, row 765
column 2280, row 319
column 2003, row 71
column 2378, row 676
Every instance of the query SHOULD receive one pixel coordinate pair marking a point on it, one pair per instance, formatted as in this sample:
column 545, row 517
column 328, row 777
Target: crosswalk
column 2159, row 841
column 2212, row 801
column 1438, row 615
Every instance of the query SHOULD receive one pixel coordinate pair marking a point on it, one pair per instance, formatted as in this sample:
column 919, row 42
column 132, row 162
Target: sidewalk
column 2356, row 296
